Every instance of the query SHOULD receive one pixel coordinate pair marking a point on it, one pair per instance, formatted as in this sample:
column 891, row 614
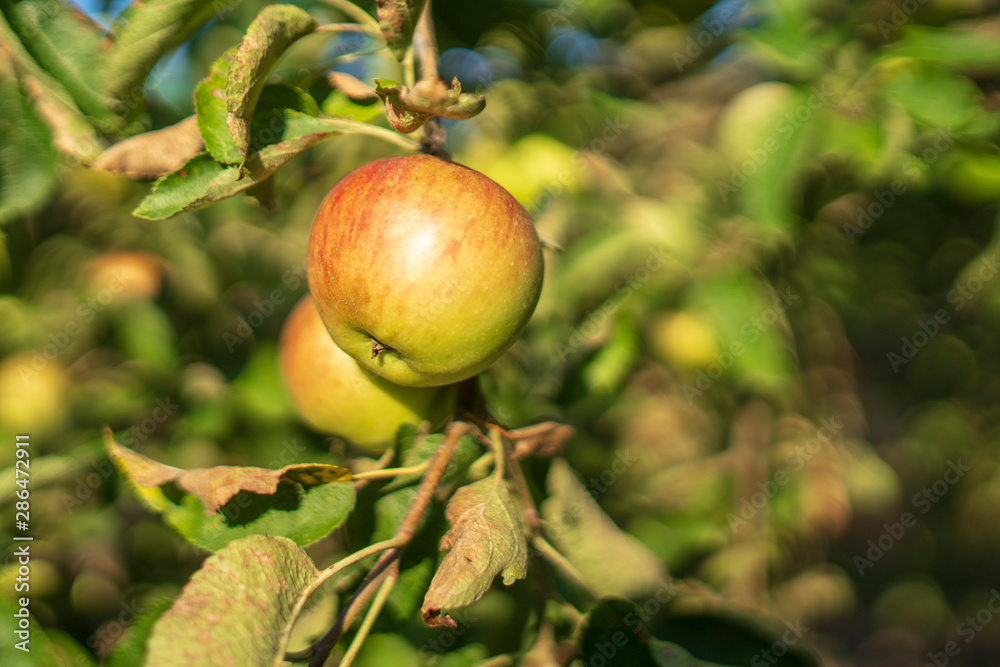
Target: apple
column 335, row 395
column 424, row 271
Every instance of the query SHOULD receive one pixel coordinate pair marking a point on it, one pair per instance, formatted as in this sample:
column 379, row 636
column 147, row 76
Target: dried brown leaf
column 486, row 539
column 215, row 486
column 153, row 154
column 408, row 109
column 545, row 440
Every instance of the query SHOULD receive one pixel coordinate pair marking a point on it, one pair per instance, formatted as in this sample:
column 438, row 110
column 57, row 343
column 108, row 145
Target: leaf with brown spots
column 486, row 539
column 272, row 31
column 215, row 486
column 397, row 19
column 238, row 609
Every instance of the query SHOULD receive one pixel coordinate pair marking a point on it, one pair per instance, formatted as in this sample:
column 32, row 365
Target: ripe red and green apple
column 423, row 270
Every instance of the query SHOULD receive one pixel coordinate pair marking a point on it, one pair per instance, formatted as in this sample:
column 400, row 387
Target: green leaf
column 749, row 323
column 729, row 639
column 666, row 654
column 130, row 650
column 419, row 448
column 74, row 132
column 581, row 531
column 311, row 516
column 142, row 33
column 273, row 30
column 210, row 107
column 417, row 564
column 27, row 158
column 761, row 133
column 53, row 468
column 42, row 650
column 67, row 44
column 267, row 121
column 145, row 333
column 203, row 180
column 610, row 367
column 339, row 105
column 237, row 609
column 397, row 20
column 969, row 50
column 934, row 96
column 298, row 501
column 616, row 634
column 268, row 124
column 182, row 190
column 486, row 539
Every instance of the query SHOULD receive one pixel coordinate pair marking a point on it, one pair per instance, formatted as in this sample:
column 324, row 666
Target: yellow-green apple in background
column 335, row 395
column 424, row 271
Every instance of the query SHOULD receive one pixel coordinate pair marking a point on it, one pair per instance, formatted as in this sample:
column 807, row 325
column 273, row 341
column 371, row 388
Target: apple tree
column 624, row 337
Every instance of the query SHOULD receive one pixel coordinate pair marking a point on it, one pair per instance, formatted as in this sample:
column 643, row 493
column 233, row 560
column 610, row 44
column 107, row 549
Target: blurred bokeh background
column 777, row 291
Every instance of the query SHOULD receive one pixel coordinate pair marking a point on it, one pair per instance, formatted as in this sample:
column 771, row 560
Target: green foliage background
column 772, row 321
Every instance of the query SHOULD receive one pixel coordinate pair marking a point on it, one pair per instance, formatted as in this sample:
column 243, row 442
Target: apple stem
column 425, row 44
column 378, row 346
column 432, row 135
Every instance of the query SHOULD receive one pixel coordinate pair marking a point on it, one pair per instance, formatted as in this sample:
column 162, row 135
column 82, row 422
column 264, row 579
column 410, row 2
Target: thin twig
column 391, row 472
column 355, row 127
column 325, row 575
column 373, row 612
column 404, row 533
column 425, row 44
column 521, row 487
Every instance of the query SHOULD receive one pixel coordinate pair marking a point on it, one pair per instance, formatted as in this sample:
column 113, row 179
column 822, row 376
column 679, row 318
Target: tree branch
column 385, row 565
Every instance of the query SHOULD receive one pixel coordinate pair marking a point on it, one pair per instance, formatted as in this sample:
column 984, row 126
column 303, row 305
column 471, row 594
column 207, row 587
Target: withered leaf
column 486, row 539
column 215, row 486
column 397, row 20
column 408, row 109
column 545, row 440
column 153, row 154
column 353, row 87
